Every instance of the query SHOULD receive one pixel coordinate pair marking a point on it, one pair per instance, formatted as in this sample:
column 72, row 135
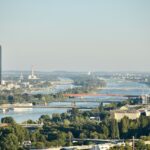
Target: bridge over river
column 115, row 90
column 82, row 95
column 5, row 108
column 124, row 88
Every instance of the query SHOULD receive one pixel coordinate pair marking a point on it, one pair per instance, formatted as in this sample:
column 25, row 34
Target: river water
column 35, row 113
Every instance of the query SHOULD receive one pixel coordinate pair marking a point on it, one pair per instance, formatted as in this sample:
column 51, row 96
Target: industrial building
column 32, row 76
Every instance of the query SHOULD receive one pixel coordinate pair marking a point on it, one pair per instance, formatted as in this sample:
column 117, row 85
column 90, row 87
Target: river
column 35, row 113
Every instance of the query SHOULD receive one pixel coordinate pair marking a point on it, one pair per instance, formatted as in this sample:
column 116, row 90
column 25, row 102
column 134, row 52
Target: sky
column 75, row 35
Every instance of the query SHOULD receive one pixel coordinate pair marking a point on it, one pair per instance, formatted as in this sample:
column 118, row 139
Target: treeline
column 86, row 84
column 80, row 125
column 89, row 81
column 60, row 129
column 12, row 136
column 17, row 95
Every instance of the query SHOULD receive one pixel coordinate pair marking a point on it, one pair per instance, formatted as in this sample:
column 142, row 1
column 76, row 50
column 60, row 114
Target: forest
column 62, row 129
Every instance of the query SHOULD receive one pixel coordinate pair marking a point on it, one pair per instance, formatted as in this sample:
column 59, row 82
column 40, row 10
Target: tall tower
column 32, row 76
column 0, row 65
column 21, row 77
column 32, row 71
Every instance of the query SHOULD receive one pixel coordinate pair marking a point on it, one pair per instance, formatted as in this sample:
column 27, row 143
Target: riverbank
column 34, row 114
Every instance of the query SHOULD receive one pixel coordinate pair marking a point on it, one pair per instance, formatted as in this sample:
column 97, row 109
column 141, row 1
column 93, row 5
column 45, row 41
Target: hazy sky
column 75, row 35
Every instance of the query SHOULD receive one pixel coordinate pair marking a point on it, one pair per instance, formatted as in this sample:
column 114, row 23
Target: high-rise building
column 21, row 78
column 146, row 99
column 0, row 65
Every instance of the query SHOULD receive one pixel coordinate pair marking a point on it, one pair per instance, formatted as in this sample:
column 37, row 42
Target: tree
column 21, row 133
column 82, row 135
column 9, row 120
column 39, row 145
column 124, row 126
column 61, row 138
column 114, row 130
column 75, row 112
column 44, row 118
column 94, row 135
column 140, row 145
column 101, row 108
column 70, row 136
column 10, row 142
column 104, row 115
column 143, row 121
column 56, row 117
column 66, row 123
column 37, row 136
column 105, row 130
column 30, row 122
column 64, row 116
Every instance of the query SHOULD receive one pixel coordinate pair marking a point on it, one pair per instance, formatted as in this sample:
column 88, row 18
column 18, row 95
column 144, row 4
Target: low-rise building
column 106, row 146
column 131, row 114
column 147, row 112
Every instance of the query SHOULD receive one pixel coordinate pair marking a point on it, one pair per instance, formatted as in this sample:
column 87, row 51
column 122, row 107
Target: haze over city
column 87, row 35
column 74, row 75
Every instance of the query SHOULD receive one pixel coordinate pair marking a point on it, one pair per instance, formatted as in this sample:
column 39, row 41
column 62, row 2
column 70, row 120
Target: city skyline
column 75, row 35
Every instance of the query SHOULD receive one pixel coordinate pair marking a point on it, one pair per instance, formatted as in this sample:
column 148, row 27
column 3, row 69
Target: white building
column 147, row 112
column 146, row 99
column 32, row 76
column 106, row 146
column 21, row 76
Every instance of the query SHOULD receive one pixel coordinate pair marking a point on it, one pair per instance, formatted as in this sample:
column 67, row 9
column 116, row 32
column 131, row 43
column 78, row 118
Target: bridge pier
column 73, row 104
